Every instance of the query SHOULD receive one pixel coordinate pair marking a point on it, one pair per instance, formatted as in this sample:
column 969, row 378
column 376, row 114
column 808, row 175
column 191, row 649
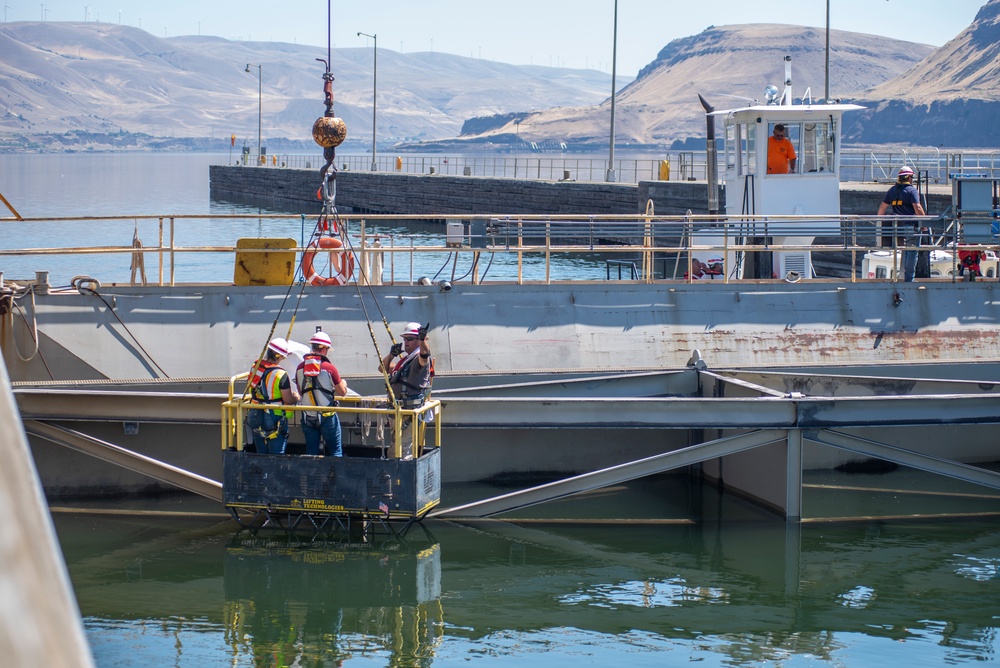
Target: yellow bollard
column 665, row 170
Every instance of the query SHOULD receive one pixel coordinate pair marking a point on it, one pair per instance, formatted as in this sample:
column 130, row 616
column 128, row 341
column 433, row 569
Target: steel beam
column 905, row 457
column 128, row 459
column 854, row 384
column 745, row 384
column 793, row 476
column 682, row 382
column 634, row 412
column 550, row 407
column 890, row 411
column 614, row 475
column 119, row 406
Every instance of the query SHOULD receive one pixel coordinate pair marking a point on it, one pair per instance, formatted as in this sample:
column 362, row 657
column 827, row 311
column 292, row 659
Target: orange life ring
column 341, row 262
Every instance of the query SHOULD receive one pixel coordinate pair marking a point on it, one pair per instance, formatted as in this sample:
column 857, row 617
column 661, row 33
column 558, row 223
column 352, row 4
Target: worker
column 270, row 384
column 904, row 200
column 320, row 384
column 410, row 376
column 781, row 158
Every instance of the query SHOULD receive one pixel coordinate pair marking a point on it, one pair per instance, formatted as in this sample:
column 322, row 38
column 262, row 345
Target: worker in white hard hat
column 321, row 384
column 411, row 375
column 904, row 200
column 270, row 384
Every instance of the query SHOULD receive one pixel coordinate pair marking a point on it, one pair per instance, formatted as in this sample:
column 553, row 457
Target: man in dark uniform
column 410, row 377
column 904, row 199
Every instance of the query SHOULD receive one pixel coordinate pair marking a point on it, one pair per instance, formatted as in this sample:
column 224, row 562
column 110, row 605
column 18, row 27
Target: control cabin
column 811, row 188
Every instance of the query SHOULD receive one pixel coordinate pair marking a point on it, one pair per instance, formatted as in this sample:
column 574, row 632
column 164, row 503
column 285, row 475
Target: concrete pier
column 420, row 194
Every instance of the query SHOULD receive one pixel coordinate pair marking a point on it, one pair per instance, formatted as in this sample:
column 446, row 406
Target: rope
column 363, row 276
column 138, row 258
column 32, row 331
column 86, row 290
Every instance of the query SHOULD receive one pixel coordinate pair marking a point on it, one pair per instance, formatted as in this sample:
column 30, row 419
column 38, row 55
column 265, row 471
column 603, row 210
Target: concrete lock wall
column 417, row 194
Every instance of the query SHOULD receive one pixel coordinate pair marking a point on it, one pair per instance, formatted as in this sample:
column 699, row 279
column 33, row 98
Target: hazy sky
column 567, row 33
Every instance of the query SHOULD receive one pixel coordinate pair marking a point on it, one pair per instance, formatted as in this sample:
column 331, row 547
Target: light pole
column 826, row 97
column 614, row 63
column 517, row 139
column 374, row 92
column 259, row 78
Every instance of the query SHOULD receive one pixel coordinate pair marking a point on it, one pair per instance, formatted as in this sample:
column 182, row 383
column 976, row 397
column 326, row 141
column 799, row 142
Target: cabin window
column 813, row 145
column 817, row 147
column 750, row 149
column 880, row 272
column 732, row 142
column 741, row 148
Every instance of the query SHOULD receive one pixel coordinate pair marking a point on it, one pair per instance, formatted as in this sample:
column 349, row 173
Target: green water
column 687, row 576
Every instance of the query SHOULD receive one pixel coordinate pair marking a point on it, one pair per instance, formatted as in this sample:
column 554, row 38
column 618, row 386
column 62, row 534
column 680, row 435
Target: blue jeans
column 329, row 428
column 909, row 265
column 270, row 432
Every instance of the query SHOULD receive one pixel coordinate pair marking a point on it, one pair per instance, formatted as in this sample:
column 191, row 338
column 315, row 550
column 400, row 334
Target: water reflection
column 321, row 602
column 727, row 593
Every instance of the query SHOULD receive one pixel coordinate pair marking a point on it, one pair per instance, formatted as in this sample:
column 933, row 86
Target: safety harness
column 311, row 371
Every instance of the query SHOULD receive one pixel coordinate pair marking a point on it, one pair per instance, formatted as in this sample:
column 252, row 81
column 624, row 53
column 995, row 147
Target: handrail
column 544, row 248
column 690, row 165
column 429, row 412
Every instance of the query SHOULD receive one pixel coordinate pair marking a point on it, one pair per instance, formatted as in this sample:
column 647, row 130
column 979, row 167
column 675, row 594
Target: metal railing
column 863, row 165
column 518, row 249
column 372, row 409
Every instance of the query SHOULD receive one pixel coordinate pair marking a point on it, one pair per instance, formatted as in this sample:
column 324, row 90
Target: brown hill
column 100, row 77
column 967, row 67
column 951, row 99
column 729, row 65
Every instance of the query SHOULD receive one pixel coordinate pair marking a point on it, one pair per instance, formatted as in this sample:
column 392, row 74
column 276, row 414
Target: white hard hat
column 279, row 346
column 905, row 171
column 320, row 339
column 412, row 329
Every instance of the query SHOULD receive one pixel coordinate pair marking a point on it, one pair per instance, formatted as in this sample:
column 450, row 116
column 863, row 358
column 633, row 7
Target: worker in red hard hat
column 270, row 384
column 904, row 200
column 320, row 383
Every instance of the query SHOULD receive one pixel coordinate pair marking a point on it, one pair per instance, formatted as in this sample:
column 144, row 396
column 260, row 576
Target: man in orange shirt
column 781, row 156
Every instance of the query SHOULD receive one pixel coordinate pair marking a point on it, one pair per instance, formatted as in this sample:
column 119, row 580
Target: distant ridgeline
column 481, row 124
column 954, row 124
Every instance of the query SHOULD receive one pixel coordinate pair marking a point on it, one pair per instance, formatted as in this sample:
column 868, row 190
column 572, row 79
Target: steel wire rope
column 371, row 332
column 32, row 331
column 83, row 290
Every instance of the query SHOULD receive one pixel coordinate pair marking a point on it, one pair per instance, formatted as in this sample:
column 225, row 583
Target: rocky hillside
column 730, row 66
column 950, row 99
column 94, row 78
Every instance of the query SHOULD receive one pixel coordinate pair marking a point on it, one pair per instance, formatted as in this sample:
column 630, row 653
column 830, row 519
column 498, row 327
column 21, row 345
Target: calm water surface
column 737, row 589
column 148, row 184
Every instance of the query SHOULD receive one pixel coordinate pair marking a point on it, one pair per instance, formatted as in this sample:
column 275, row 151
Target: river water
column 658, row 572
column 142, row 187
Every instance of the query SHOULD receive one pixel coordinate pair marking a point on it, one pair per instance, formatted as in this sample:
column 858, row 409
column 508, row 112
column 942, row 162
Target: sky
column 558, row 33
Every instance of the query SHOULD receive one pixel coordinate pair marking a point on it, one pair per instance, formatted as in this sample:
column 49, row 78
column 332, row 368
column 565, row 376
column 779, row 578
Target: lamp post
column 614, row 63
column 374, row 92
column 259, row 79
column 826, row 96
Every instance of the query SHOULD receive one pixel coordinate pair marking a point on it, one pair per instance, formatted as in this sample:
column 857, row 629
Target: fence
column 856, row 165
